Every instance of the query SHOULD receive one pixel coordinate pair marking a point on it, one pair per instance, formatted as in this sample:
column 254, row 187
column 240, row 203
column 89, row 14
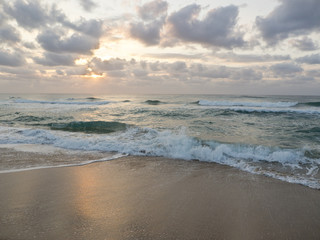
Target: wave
column 274, row 110
column 115, row 156
column 153, row 102
column 93, row 98
column 89, row 127
column 247, row 104
column 313, row 104
column 69, row 102
column 293, row 165
column 30, row 119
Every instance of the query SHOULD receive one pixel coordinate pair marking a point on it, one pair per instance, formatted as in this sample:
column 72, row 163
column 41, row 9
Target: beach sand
column 154, row 198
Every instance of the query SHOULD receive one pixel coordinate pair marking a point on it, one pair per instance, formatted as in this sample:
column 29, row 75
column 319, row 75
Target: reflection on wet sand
column 154, row 198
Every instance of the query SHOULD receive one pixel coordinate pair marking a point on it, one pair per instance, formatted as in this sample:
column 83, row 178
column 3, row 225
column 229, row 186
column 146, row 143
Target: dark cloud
column 223, row 72
column 140, row 73
column 109, row 65
column 31, row 15
column 218, row 28
column 177, row 66
column 305, row 44
column 29, row 45
column 92, row 27
column 285, row 69
column 76, row 71
column 148, row 33
column 11, row 59
column 174, row 56
column 88, row 5
column 152, row 10
column 310, row 59
column 53, row 59
column 291, row 17
column 60, row 72
column 153, row 15
column 233, row 57
column 203, row 71
column 28, row 14
column 9, row 34
column 246, row 74
column 76, row 43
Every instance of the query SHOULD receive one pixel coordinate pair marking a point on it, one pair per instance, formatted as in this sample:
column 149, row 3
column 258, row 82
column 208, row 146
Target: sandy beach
column 154, row 198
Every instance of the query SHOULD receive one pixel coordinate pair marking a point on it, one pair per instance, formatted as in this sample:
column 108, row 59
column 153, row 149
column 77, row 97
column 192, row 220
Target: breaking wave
column 68, row 102
column 247, row 104
column 89, row 127
column 292, row 165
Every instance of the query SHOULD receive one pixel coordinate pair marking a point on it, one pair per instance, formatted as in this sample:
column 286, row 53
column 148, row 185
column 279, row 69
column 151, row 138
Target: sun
column 93, row 75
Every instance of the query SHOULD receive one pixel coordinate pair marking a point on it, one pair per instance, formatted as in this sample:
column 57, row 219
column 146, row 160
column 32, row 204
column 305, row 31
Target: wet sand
column 154, row 198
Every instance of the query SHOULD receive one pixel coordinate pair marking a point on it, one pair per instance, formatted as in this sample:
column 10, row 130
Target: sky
column 251, row 47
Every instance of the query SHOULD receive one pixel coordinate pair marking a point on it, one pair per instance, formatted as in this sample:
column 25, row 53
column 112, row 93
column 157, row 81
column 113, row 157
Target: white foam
column 150, row 142
column 275, row 110
column 70, row 102
column 248, row 104
column 116, row 156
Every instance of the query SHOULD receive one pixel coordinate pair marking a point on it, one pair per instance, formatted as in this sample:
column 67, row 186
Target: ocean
column 275, row 136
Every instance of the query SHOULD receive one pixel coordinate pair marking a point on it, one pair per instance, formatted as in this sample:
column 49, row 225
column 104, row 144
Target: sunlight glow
column 81, row 61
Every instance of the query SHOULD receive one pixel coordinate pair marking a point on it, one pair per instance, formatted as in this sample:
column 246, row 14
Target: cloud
column 223, row 72
column 153, row 15
column 152, row 10
column 92, row 27
column 113, row 64
column 305, row 44
column 52, row 59
column 285, row 69
column 29, row 45
column 291, row 17
column 9, row 34
column 28, row 14
column 11, row 59
column 32, row 15
column 218, row 28
column 76, row 43
column 310, row 59
column 88, row 5
column 148, row 33
column 174, row 56
column 233, row 57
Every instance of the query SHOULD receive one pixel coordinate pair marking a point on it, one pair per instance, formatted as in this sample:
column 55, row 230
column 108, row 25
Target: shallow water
column 278, row 136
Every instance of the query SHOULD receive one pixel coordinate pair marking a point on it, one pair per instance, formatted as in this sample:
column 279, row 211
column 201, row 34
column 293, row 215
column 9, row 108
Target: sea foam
column 68, row 102
column 248, row 104
column 271, row 161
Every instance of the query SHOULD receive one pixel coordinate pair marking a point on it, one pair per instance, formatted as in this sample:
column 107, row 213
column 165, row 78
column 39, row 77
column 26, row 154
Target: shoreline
column 154, row 198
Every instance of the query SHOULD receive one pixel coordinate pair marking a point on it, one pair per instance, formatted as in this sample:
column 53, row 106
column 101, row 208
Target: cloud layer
column 290, row 18
column 159, row 45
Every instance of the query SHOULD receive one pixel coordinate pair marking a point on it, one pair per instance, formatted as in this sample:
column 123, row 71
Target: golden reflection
column 86, row 201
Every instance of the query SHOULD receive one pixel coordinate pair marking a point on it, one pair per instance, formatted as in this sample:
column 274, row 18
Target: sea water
column 277, row 136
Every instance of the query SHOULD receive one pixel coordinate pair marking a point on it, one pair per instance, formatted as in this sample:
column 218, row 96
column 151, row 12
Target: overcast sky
column 199, row 46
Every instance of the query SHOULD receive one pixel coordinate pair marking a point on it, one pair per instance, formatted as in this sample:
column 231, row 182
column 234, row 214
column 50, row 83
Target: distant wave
column 274, row 110
column 70, row 102
column 153, row 102
column 93, row 98
column 313, row 104
column 89, row 127
column 247, row 104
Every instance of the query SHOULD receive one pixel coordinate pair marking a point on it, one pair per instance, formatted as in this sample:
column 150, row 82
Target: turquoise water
column 277, row 136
